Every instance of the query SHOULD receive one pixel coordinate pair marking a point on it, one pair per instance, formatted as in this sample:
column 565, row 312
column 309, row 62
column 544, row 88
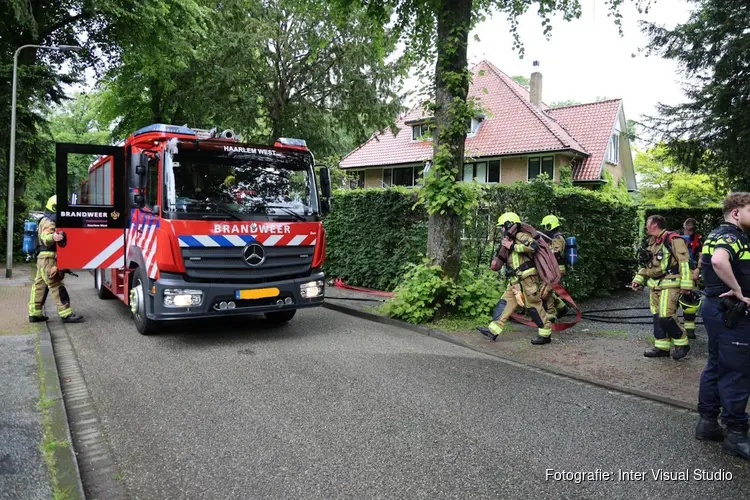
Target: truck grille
column 226, row 264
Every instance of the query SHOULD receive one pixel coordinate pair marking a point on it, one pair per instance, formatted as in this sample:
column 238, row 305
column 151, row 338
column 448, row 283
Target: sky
column 586, row 58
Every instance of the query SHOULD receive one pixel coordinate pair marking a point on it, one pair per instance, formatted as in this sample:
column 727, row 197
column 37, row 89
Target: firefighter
column 691, row 302
column 524, row 288
column 48, row 276
column 553, row 304
column 725, row 382
column 667, row 273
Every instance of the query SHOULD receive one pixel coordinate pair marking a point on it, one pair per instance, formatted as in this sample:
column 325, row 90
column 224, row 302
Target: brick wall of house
column 514, row 170
column 374, row 177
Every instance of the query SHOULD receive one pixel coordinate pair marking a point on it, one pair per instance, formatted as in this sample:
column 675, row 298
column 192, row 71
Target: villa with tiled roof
column 515, row 138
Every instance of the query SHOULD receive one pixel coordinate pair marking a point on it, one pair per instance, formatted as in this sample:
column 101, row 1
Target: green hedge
column 707, row 218
column 373, row 233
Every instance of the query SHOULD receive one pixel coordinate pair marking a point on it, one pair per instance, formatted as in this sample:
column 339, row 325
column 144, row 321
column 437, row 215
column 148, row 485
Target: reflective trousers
column 49, row 279
column 667, row 327
column 528, row 294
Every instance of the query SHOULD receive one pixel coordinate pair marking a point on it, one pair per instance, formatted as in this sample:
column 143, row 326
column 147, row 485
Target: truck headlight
column 311, row 289
column 178, row 297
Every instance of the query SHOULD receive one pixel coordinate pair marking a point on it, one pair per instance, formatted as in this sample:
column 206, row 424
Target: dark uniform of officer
column 725, row 383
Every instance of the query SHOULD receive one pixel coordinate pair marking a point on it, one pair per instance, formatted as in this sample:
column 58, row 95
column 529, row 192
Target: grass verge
column 49, row 444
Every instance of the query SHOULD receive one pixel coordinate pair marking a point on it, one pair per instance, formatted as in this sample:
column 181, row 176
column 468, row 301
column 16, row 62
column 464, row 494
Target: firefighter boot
column 655, row 352
column 73, row 318
column 539, row 340
column 486, row 332
column 690, row 333
column 708, row 429
column 680, row 351
column 737, row 443
column 38, row 319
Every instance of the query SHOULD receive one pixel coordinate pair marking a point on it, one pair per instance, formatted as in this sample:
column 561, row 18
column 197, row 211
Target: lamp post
column 12, row 162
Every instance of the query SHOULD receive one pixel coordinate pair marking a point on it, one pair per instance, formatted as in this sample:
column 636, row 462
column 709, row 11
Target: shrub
column 706, row 217
column 423, row 289
column 372, row 234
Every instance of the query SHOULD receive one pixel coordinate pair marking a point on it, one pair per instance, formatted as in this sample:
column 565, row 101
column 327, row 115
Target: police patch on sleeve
column 729, row 238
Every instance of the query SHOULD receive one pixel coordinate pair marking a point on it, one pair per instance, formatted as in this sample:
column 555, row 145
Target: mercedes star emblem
column 254, row 254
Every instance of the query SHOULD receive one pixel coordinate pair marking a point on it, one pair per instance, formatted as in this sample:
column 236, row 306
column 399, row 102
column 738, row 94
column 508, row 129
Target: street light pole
column 12, row 162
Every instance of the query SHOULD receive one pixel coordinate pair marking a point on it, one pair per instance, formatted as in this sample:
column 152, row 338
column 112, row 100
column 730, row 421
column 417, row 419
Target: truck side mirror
column 325, row 182
column 139, row 200
column 142, row 169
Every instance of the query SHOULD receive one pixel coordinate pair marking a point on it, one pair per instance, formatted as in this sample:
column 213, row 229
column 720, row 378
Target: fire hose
column 593, row 315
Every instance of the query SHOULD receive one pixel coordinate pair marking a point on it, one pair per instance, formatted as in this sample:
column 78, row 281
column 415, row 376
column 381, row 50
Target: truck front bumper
column 214, row 296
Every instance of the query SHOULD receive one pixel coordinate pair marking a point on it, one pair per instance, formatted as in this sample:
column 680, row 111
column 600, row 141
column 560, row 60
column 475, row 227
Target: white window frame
column 357, row 173
column 499, row 168
column 613, row 149
column 554, row 166
column 414, row 170
column 476, row 124
column 424, row 127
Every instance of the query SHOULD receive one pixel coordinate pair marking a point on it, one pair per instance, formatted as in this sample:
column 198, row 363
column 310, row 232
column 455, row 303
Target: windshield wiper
column 287, row 210
column 222, row 210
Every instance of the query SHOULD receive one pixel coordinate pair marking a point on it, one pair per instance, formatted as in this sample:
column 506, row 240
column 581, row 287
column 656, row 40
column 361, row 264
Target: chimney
column 536, row 88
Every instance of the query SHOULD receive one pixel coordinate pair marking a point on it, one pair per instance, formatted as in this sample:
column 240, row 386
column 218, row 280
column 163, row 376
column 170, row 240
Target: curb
column 447, row 337
column 98, row 470
column 68, row 474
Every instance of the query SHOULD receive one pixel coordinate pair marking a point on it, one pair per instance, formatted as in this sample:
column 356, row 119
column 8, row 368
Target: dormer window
column 421, row 130
column 472, row 126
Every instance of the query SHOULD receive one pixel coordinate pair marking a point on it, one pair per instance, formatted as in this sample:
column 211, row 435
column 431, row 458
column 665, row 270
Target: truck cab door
column 92, row 212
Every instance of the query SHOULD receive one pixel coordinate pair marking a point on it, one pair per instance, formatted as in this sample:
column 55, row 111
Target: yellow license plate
column 260, row 293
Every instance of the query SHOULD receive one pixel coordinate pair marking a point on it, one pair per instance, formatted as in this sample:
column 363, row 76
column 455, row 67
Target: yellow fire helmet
column 52, row 204
column 550, row 222
column 508, row 217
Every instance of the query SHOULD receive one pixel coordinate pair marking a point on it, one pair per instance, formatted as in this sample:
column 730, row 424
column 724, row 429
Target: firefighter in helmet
column 666, row 271
column 553, row 304
column 48, row 275
column 524, row 286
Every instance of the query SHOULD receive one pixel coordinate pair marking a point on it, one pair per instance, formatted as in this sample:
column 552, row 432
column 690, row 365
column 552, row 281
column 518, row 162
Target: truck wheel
column 101, row 291
column 280, row 317
column 138, row 295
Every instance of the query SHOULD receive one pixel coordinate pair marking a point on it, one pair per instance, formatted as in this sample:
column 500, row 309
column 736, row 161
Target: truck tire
column 101, row 291
column 138, row 296
column 280, row 317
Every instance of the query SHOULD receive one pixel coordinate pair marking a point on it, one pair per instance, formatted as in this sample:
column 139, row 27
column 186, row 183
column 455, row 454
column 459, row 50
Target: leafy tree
column 562, row 104
column 709, row 132
column 522, row 81
column 664, row 182
column 436, row 32
column 266, row 69
column 101, row 27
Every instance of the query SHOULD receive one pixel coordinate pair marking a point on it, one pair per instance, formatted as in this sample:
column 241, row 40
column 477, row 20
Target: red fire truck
column 183, row 223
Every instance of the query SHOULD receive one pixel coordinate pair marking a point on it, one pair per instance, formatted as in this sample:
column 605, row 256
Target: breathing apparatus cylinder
column 571, row 250
column 29, row 237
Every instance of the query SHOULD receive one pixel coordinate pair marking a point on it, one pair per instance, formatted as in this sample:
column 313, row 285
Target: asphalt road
column 331, row 406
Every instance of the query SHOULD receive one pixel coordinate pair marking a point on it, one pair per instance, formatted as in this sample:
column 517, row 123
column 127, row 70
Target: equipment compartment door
column 92, row 210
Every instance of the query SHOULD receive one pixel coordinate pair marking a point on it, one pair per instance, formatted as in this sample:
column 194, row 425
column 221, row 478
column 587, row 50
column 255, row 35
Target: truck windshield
column 239, row 185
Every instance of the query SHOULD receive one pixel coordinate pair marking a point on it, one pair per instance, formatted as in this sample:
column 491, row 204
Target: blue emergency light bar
column 160, row 127
column 292, row 142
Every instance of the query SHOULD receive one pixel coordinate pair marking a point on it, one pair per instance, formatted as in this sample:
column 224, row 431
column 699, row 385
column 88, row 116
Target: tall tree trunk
column 453, row 22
